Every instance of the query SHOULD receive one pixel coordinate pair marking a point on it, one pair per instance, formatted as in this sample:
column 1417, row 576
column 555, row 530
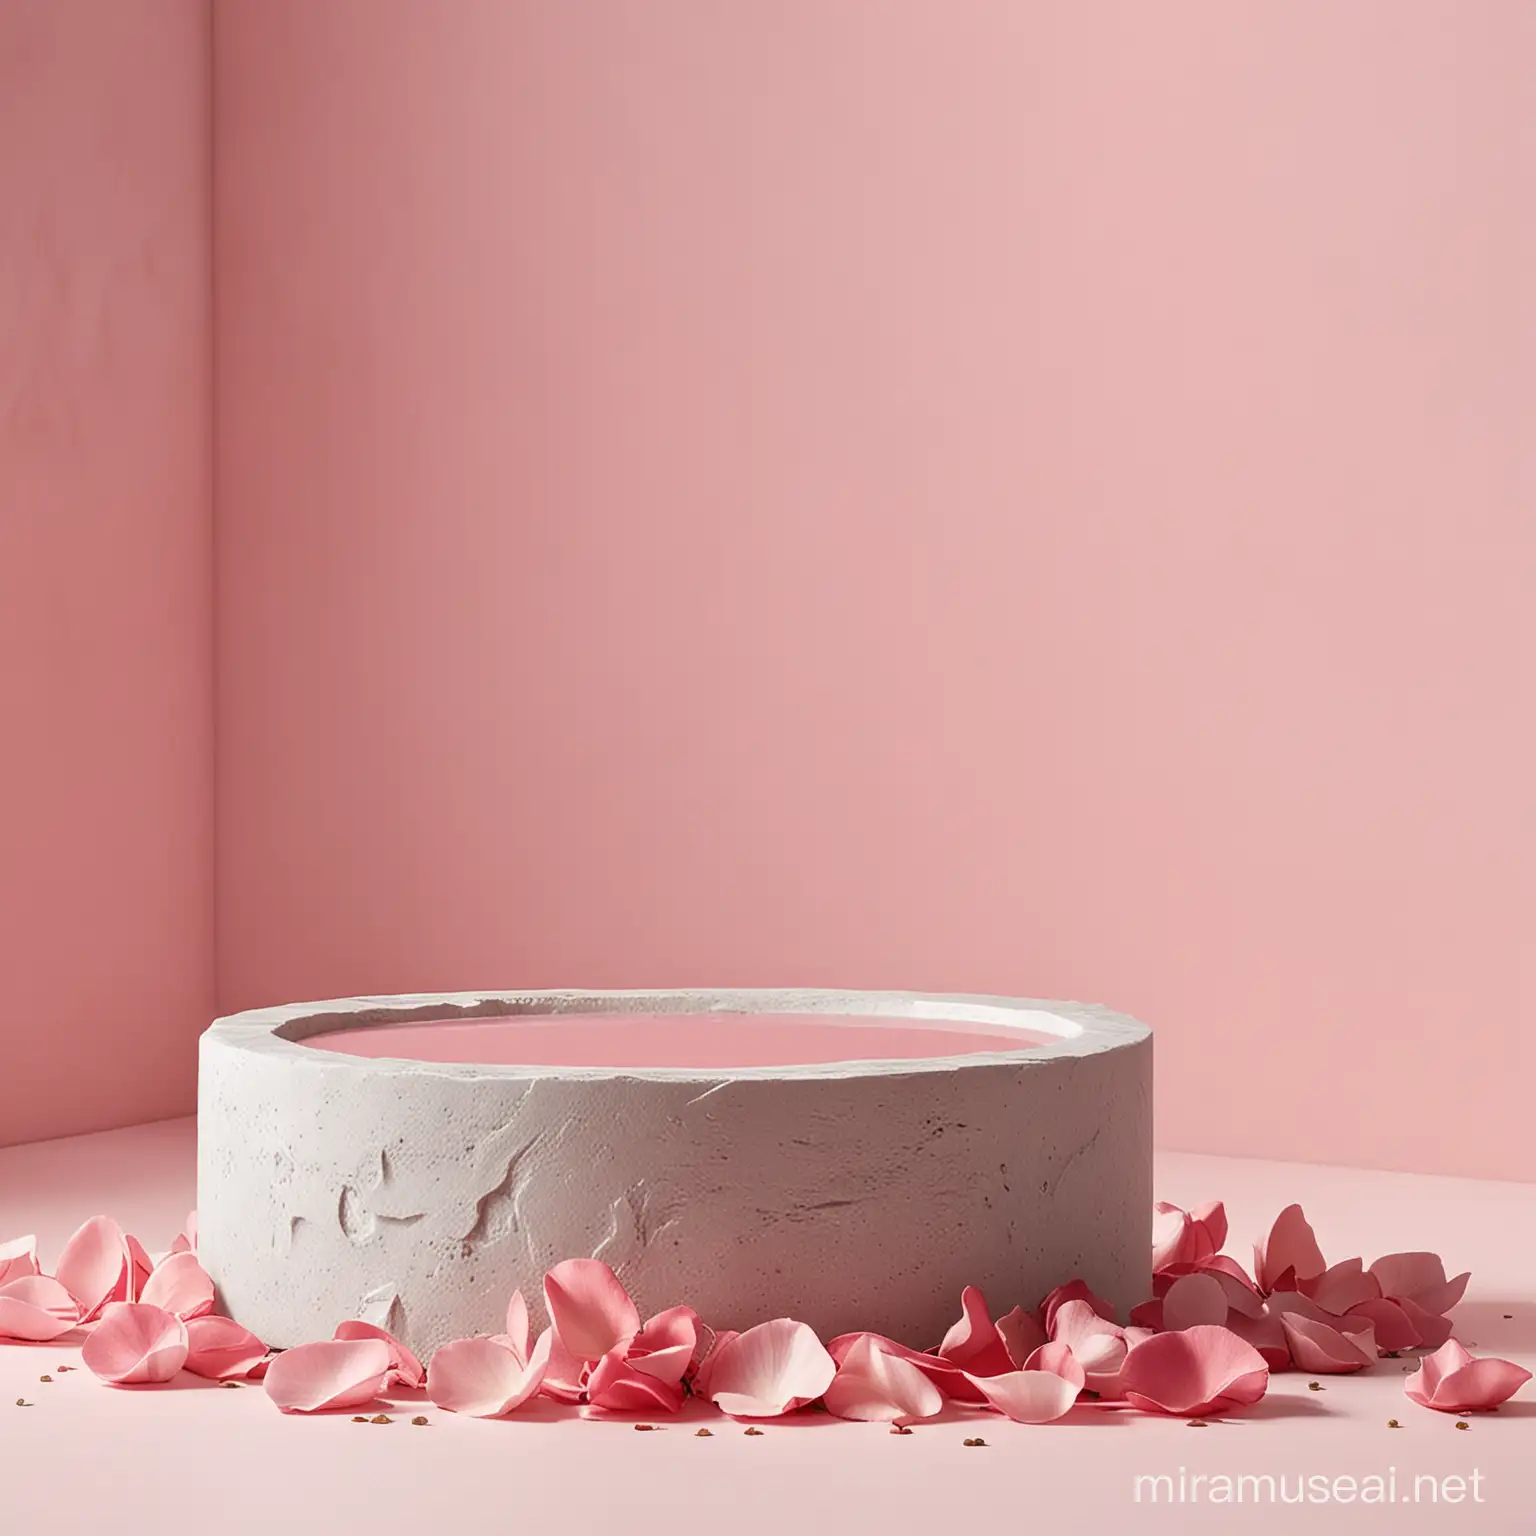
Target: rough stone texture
column 848, row 1195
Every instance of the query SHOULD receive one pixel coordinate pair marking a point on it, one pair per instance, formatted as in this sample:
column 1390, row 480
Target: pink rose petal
column 565, row 1377
column 1073, row 1290
column 185, row 1241
column 332, row 1374
column 403, row 1365
column 664, row 1347
column 619, row 1386
column 1432, row 1329
column 486, row 1378
column 1329, row 1349
column 181, row 1285
column 517, row 1325
column 1193, row 1300
column 1201, row 1370
column 589, row 1308
column 94, row 1266
column 1267, row 1335
column 1393, row 1329
column 1187, row 1237
column 1044, row 1390
column 944, row 1374
column 1289, row 1254
column 18, row 1259
column 140, row 1268
column 1058, row 1358
column 1421, row 1278
column 136, row 1344
column 706, row 1366
column 1022, row 1334
column 771, row 1369
column 1099, row 1345
column 36, row 1308
column 1453, row 1381
column 220, row 1349
column 1342, row 1286
column 974, row 1344
column 880, row 1388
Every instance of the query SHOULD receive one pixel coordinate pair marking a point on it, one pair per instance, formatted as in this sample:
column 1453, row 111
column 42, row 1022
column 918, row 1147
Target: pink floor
column 88, row 1458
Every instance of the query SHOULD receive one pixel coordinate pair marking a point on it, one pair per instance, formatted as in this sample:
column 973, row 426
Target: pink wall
column 1020, row 496
column 105, row 661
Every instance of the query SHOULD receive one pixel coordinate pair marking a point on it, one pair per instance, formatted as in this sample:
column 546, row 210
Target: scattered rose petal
column 220, row 1349
column 1099, row 1345
column 94, row 1266
column 706, row 1366
column 1453, row 1381
column 973, row 1344
column 1187, row 1237
column 1073, row 1290
column 1202, row 1370
column 1419, row 1278
column 618, row 1386
column 1193, row 1300
column 136, row 1344
column 36, row 1308
column 335, row 1373
column 1328, row 1348
column 486, row 1378
column 181, row 1285
column 878, row 1387
column 1342, row 1286
column 1022, row 1334
column 1432, row 1329
column 664, row 1347
column 403, row 1365
column 1044, row 1390
column 565, row 1377
column 1394, row 1331
column 1289, row 1254
column 589, row 1308
column 517, row 1325
column 1266, row 1334
column 18, row 1259
column 140, row 1268
column 185, row 1241
column 770, row 1369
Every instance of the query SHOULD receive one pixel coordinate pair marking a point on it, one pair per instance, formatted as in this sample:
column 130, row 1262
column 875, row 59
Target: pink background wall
column 1017, row 496
column 106, row 928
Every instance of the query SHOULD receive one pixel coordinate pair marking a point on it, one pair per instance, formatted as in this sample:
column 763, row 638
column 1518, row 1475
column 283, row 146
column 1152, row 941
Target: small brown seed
column 59, row 1370
column 1315, row 1386
column 359, row 1418
column 229, row 1383
column 21, row 1402
column 381, row 1418
column 752, row 1429
column 45, row 1378
column 1393, row 1424
column 977, row 1441
column 901, row 1429
column 1462, row 1424
column 1508, row 1316
column 419, row 1419
column 645, row 1426
column 1199, row 1423
column 702, row 1434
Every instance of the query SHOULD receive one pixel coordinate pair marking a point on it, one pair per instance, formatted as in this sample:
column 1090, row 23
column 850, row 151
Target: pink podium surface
column 86, row 1457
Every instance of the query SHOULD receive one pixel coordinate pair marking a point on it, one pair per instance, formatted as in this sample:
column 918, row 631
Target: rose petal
column 1060, row 1361
column 1342, row 1286
column 517, row 1324
column 135, row 1344
column 1453, row 1381
column 1267, row 1335
column 403, row 1365
column 331, row 1374
column 1290, row 1250
column 94, row 1266
column 880, row 1388
column 484, row 1378
column 565, row 1377
column 664, row 1347
column 1028, row 1397
column 974, row 1344
column 1393, row 1329
column 220, row 1349
column 589, row 1308
column 18, row 1259
column 36, row 1308
column 1099, row 1345
column 771, row 1369
column 1200, row 1370
column 1022, row 1334
column 1421, row 1277
column 1193, row 1300
column 140, row 1268
column 181, row 1285
column 1432, row 1329
column 185, row 1241
column 706, row 1366
column 1187, row 1237
column 619, row 1386
column 1073, row 1290
column 1327, row 1349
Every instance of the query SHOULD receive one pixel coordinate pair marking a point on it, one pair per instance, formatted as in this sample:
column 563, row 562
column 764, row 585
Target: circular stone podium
column 925, row 1143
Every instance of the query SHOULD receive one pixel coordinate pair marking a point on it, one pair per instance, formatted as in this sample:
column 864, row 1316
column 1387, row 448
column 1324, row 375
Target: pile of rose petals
column 1204, row 1343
